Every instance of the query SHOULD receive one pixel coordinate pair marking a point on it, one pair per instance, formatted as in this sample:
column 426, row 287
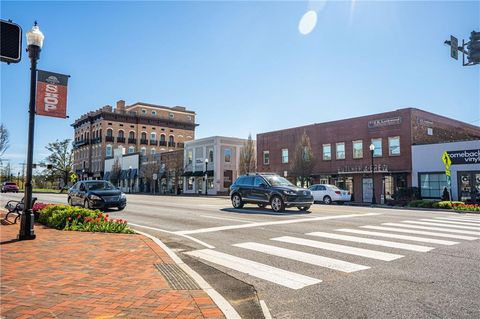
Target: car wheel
column 277, row 204
column 304, row 208
column 69, row 200
column 86, row 204
column 327, row 200
column 121, row 208
column 237, row 201
column 262, row 205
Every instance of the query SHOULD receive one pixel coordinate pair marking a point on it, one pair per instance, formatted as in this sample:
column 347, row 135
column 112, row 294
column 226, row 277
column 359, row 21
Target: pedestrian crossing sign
column 446, row 160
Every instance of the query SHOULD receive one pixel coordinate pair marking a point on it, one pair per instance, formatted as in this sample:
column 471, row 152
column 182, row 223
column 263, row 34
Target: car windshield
column 10, row 184
column 276, row 180
column 98, row 186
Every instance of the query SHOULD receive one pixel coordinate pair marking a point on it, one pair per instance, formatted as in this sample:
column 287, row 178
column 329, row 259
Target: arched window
column 108, row 151
column 153, row 136
column 144, row 136
column 152, row 151
column 143, row 151
column 109, row 132
column 121, row 133
column 171, row 140
column 162, row 138
column 131, row 134
column 131, row 150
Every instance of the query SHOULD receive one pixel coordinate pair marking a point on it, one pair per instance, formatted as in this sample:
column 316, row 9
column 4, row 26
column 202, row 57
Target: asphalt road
column 330, row 262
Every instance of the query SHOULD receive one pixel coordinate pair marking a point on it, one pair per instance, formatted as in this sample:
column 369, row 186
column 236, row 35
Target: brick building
column 341, row 149
column 140, row 127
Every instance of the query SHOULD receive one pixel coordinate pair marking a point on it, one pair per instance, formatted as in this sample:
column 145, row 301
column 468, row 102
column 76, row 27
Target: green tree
column 61, row 159
column 302, row 165
column 248, row 161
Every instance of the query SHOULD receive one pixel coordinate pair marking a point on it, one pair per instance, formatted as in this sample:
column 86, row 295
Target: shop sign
column 358, row 169
column 385, row 122
column 51, row 97
column 465, row 157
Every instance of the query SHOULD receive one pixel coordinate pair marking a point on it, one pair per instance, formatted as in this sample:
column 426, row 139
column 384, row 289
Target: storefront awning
column 189, row 173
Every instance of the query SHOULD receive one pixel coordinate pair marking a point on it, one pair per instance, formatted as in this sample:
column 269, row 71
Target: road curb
column 220, row 301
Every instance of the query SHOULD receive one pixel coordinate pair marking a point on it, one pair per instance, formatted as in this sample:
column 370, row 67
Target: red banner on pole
column 51, row 97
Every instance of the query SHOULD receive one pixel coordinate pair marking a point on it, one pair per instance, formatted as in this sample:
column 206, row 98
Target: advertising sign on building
column 51, row 97
column 464, row 157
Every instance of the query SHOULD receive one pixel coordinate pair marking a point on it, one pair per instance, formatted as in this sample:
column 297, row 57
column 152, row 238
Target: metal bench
column 16, row 207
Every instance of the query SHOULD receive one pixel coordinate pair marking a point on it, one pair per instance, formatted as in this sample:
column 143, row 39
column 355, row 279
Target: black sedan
column 96, row 194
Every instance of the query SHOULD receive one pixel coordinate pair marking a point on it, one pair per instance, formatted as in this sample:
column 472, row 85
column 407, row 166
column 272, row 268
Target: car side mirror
column 262, row 185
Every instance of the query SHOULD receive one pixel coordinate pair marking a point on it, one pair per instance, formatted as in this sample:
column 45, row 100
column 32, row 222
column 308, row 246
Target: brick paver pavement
column 64, row 274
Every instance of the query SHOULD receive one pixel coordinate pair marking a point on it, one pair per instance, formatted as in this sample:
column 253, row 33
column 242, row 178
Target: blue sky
column 244, row 67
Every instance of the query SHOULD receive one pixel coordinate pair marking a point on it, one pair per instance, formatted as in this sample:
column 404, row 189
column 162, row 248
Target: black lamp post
column 206, row 177
column 35, row 42
column 374, row 201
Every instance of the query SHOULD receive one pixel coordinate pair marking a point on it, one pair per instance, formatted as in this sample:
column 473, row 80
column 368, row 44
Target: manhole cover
column 176, row 277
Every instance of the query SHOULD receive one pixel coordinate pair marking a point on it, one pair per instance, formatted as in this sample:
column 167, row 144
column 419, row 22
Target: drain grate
column 176, row 277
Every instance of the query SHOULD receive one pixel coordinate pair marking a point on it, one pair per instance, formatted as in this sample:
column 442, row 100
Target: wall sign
column 363, row 169
column 385, row 122
column 465, row 157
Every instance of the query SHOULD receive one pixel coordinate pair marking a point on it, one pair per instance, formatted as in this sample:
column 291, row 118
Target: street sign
column 11, row 42
column 446, row 159
column 454, row 47
column 155, row 177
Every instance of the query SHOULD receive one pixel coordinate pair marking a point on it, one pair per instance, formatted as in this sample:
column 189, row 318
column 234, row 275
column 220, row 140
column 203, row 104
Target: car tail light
column 337, row 192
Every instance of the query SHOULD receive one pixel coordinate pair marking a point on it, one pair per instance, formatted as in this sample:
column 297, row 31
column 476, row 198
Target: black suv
column 269, row 189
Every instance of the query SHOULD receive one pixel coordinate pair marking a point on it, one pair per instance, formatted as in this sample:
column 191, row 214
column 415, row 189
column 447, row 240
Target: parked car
column 96, row 194
column 327, row 194
column 9, row 187
column 269, row 189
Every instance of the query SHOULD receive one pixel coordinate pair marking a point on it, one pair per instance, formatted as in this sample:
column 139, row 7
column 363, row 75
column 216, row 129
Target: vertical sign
column 454, row 47
column 51, row 97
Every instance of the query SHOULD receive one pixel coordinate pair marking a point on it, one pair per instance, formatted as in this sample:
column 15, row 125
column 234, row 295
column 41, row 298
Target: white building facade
column 218, row 157
column 428, row 170
column 129, row 170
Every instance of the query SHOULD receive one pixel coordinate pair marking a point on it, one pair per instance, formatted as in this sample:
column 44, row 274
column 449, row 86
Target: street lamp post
column 35, row 42
column 372, row 150
column 130, row 179
column 206, row 177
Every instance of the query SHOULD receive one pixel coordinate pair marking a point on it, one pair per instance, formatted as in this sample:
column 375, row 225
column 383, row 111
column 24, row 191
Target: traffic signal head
column 473, row 48
column 11, row 42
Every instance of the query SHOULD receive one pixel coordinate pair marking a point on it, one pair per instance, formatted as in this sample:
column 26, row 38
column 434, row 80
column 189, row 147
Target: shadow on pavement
column 260, row 211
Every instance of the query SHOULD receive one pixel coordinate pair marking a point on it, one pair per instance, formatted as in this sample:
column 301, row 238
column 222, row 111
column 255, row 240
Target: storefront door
column 469, row 186
column 367, row 190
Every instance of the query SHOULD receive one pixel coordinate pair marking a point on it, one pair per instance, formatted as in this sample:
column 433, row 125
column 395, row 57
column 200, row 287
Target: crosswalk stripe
column 373, row 254
column 460, row 219
column 276, row 275
column 404, row 237
column 449, row 222
column 468, row 232
column 441, row 225
column 312, row 259
column 373, row 241
column 420, row 232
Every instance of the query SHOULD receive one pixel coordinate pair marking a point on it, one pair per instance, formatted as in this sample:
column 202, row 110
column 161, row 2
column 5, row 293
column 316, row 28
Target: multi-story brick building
column 140, row 127
column 342, row 155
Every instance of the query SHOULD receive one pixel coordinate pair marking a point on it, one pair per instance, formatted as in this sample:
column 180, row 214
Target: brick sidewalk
column 65, row 274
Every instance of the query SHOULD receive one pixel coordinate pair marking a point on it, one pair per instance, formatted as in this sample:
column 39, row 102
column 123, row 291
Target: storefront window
column 190, row 181
column 340, row 150
column 377, row 142
column 190, row 157
column 357, row 149
column 432, row 184
column 284, row 155
column 394, row 146
column 327, row 152
column 227, row 155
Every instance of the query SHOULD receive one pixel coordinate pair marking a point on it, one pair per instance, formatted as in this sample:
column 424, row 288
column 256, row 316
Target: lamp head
column 372, row 147
column 35, row 36
column 206, row 161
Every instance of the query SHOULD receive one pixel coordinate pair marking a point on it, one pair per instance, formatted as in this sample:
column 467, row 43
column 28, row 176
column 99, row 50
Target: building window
column 144, row 111
column 171, row 115
column 143, row 150
column 121, row 134
column 340, row 147
column 144, row 136
column 285, row 156
column 432, row 184
column 152, row 151
column 210, row 155
column 266, row 158
column 171, row 139
column 154, row 113
column 189, row 157
column 394, row 146
column 153, row 136
column 227, row 155
column 430, row 131
column 131, row 135
column 131, row 150
column 327, row 152
column 108, row 151
column 357, row 149
column 162, row 137
column 377, row 142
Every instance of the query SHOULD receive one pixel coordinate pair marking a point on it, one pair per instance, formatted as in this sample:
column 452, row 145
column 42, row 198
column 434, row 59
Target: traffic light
column 474, row 48
column 11, row 42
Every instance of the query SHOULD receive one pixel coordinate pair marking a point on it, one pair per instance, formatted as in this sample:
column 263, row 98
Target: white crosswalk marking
column 373, row 254
column 434, row 228
column 420, row 232
column 373, row 241
column 404, row 237
column 440, row 225
column 460, row 219
column 255, row 269
column 312, row 259
column 449, row 222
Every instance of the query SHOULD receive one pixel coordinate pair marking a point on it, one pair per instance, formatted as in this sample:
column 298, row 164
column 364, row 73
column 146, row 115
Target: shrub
column 467, row 207
column 81, row 219
column 423, row 203
column 446, row 204
column 407, row 193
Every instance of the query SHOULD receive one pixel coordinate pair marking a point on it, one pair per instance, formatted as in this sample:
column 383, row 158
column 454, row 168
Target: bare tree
column 176, row 169
column 248, row 161
column 302, row 165
column 115, row 172
column 148, row 168
column 61, row 159
column 4, row 140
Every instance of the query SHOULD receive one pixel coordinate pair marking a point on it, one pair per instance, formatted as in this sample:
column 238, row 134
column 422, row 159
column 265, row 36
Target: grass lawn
column 43, row 190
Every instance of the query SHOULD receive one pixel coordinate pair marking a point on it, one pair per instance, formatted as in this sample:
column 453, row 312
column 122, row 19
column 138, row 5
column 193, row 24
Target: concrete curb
column 222, row 303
